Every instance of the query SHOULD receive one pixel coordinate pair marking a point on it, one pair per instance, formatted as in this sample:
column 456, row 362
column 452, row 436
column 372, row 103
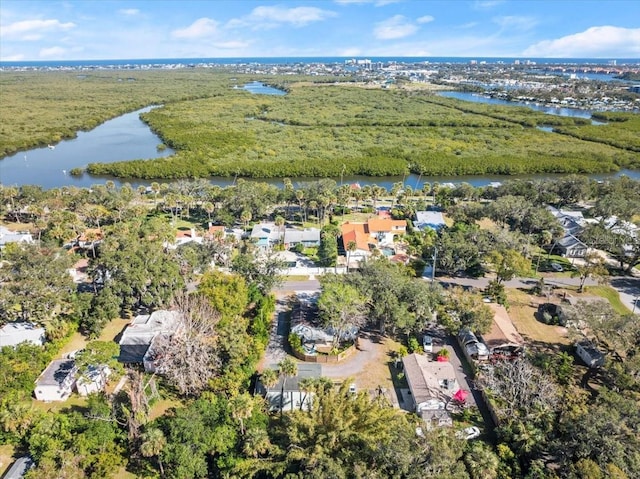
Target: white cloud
column 33, row 29
column 350, row 52
column 468, row 25
column 377, row 3
column 130, row 12
column 298, row 16
column 516, row 22
column 202, row 27
column 603, row 41
column 12, row 58
column 394, row 28
column 487, row 4
column 231, row 45
column 52, row 52
column 425, row 19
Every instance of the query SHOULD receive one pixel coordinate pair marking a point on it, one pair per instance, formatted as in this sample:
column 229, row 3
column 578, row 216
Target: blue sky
column 92, row 30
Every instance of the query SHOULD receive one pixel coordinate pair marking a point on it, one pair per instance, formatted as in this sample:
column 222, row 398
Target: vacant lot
column 522, row 309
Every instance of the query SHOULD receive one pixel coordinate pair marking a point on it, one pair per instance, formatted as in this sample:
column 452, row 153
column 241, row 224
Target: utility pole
column 433, row 266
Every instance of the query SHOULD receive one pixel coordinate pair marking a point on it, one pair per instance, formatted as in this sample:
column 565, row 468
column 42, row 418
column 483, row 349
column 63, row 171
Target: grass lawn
column 161, row 406
column 6, row 457
column 109, row 333
column 377, row 373
column 521, row 311
column 610, row 295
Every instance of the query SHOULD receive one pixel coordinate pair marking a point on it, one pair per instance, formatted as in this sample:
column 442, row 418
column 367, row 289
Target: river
column 127, row 138
column 550, row 110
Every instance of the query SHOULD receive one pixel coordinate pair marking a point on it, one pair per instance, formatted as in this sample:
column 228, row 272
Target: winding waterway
column 127, row 138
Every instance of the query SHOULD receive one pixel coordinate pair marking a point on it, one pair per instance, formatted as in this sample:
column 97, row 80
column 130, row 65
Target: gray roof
column 57, row 373
column 569, row 241
column 12, row 334
column 307, row 235
column 305, row 370
column 138, row 336
column 429, row 380
column 19, row 468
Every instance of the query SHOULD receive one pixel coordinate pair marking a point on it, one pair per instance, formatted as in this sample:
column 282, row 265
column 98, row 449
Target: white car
column 557, row 267
column 468, row 433
column 427, row 343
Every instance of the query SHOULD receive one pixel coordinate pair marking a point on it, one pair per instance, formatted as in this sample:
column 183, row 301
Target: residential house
column 138, row 337
column 93, row 381
column 88, row 239
column 308, row 237
column 7, row 236
column 429, row 219
column 503, row 340
column 291, row 396
column 432, row 384
column 375, row 232
column 266, row 235
column 590, row 354
column 356, row 234
column 385, row 230
column 572, row 223
column 12, row 334
column 56, row 382
column 569, row 247
column 216, row 231
column 183, row 237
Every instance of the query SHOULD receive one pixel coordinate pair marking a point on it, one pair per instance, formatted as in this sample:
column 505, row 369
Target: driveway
column 275, row 351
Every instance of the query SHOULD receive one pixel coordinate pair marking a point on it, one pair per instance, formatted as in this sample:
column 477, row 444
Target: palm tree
column 153, row 442
column 351, row 247
column 306, row 385
column 245, row 217
column 279, row 222
column 269, row 378
column 241, row 408
column 300, row 198
column 287, row 368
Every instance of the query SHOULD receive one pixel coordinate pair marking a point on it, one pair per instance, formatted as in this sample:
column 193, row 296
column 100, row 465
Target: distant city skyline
column 32, row 30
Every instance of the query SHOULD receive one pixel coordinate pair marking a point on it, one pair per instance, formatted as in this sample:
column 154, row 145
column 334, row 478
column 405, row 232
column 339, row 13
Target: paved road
column 306, row 285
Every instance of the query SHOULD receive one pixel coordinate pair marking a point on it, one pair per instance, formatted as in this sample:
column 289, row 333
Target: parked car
column 427, row 343
column 468, row 433
column 557, row 267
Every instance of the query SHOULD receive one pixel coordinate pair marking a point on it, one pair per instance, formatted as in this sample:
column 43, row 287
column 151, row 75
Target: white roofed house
column 138, row 337
column 429, row 219
column 266, row 235
column 7, row 236
column 13, row 334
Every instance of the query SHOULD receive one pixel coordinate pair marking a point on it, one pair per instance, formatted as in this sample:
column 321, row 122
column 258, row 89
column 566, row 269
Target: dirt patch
column 369, row 367
column 6, row 457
